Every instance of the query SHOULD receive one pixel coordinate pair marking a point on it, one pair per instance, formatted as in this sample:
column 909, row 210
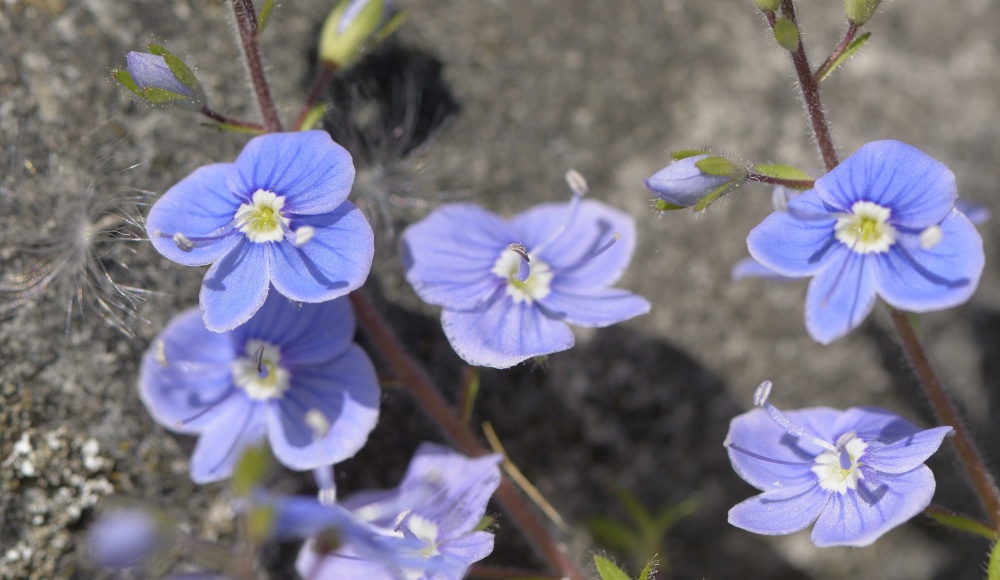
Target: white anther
column 930, row 237
column 160, row 353
column 303, row 235
column 577, row 184
column 318, row 422
column 762, row 393
column 182, row 242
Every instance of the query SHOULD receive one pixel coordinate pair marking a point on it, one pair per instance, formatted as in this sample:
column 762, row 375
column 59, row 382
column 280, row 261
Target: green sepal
column 685, row 153
column 159, row 96
column 390, row 27
column 156, row 49
column 861, row 11
column 716, row 195
column 647, row 571
column 717, row 166
column 250, row 470
column 312, row 118
column 260, row 521
column 182, row 72
column 787, row 34
column 781, row 171
column 852, row 48
column 767, row 5
column 484, row 523
column 993, row 568
column 661, row 205
column 608, row 570
column 125, row 80
column 962, row 523
column 341, row 49
column 264, row 16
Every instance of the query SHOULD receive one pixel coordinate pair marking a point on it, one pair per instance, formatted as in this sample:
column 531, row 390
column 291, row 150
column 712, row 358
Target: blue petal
column 297, row 517
column 894, row 444
column 196, row 376
column 198, row 205
column 152, row 70
column 859, row 517
column 235, row 287
column 123, row 538
column 918, row 189
column 751, row 268
column 946, row 275
column 334, row 262
column 502, row 333
column 467, row 550
column 238, row 424
column 976, row 212
column 448, row 256
column 780, row 511
column 593, row 307
column 345, row 391
column 841, row 295
column 756, row 432
column 591, row 228
column 345, row 563
column 313, row 173
column 793, row 246
column 306, row 333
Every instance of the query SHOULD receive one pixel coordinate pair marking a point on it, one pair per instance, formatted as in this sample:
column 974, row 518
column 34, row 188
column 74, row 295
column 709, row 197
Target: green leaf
column 669, row 517
column 661, row 205
column 250, row 470
column 717, row 166
column 646, row 571
column 390, row 27
column 608, row 571
column 852, row 48
column 685, row 153
column 125, row 80
column 485, row 523
column 962, row 523
column 472, row 393
column 634, row 508
column 313, row 117
column 181, row 71
column 612, row 534
column 159, row 96
column 779, row 171
column 993, row 568
column 787, row 34
column 265, row 16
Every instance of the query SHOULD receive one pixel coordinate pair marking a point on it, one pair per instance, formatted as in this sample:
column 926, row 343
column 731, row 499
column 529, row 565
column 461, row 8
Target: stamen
column 303, row 235
column 729, row 444
column 615, row 237
column 208, row 408
column 573, row 179
column 183, row 242
column 845, row 457
column 577, row 184
column 327, row 494
column 930, row 237
column 524, row 269
column 760, row 400
column 160, row 354
column 399, row 519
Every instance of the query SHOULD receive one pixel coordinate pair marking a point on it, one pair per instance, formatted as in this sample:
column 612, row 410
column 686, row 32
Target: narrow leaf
column 962, row 523
column 993, row 568
column 852, row 48
column 612, row 534
column 646, row 571
column 780, row 171
column 265, row 16
column 313, row 117
column 636, row 511
column 608, row 571
column 661, row 205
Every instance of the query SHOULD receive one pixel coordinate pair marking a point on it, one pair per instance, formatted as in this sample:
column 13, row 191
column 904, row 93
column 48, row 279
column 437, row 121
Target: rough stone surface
column 543, row 85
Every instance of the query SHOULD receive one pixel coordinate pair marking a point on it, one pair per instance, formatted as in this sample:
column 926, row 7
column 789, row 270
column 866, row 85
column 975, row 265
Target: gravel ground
column 537, row 87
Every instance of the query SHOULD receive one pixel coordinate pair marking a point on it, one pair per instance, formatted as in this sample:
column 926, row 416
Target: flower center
column 259, row 373
column 261, row 219
column 534, row 287
column 838, row 470
column 866, row 229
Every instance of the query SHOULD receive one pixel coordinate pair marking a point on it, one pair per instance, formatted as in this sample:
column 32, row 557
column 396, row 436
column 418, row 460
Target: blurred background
column 493, row 101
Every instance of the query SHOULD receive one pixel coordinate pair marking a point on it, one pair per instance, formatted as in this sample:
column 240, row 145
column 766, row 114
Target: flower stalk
column 246, row 24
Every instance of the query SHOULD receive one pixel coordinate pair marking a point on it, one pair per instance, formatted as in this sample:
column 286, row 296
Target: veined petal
column 294, row 328
column 793, row 246
column 196, row 206
column 335, row 261
column 238, row 424
column 593, row 307
column 780, row 511
column 751, row 268
column 313, row 173
column 344, row 563
column 919, row 280
column 860, row 516
column 235, row 287
column 593, row 226
column 756, row 431
column 180, row 388
column 448, row 256
column 345, row 391
column 502, row 333
column 841, row 295
column 467, row 549
column 919, row 190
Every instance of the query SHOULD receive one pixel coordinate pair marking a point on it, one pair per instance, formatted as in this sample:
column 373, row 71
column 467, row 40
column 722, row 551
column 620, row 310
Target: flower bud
column 688, row 181
column 159, row 77
column 767, row 5
column 861, row 11
column 350, row 27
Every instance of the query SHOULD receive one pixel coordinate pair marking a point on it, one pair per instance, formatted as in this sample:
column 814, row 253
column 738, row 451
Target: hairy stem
column 226, row 120
column 420, row 386
column 246, row 23
column 792, row 183
column 849, row 34
column 947, row 414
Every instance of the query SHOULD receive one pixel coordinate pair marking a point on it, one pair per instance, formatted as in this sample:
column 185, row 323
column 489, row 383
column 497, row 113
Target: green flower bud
column 351, row 26
column 787, row 34
column 767, row 5
column 861, row 11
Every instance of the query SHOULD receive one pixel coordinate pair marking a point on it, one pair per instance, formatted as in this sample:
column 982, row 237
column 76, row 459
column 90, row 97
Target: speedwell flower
column 424, row 529
column 882, row 223
column 509, row 287
column 277, row 216
column 278, row 377
column 856, row 473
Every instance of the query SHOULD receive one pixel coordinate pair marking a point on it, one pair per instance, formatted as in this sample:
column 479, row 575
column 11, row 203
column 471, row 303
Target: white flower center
column 266, row 380
column 261, row 220
column 426, row 531
column 838, row 471
column 537, row 284
column 866, row 229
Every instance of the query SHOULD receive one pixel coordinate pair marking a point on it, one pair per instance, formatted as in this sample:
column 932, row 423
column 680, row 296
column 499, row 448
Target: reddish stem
column 225, row 120
column 792, row 183
column 246, row 23
column 849, row 34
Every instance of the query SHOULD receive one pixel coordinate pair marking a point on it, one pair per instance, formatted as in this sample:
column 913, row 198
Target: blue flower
column 278, row 215
column 856, row 473
column 882, row 223
column 683, row 184
column 124, row 538
column 291, row 375
column 508, row 288
column 152, row 71
column 423, row 529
